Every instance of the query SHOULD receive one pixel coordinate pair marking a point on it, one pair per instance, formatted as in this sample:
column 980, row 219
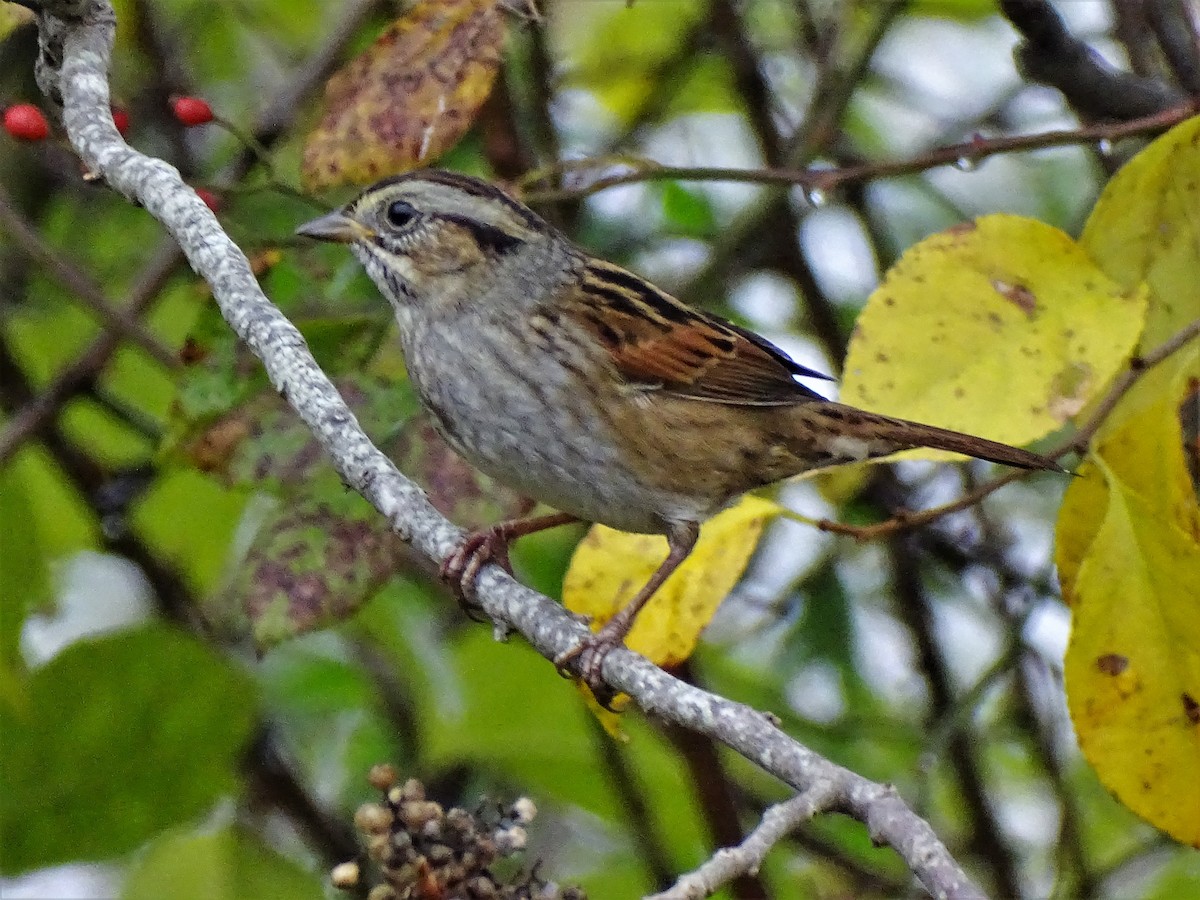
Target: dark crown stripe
column 478, row 188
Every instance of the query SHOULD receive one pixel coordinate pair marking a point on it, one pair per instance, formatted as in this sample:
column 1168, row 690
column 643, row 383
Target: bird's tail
column 842, row 434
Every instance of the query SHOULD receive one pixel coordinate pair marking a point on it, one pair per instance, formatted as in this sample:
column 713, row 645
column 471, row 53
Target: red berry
column 26, row 122
column 192, row 110
column 211, row 200
column 120, row 119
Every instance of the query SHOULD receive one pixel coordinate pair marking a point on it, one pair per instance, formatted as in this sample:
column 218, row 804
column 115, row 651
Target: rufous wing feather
column 659, row 343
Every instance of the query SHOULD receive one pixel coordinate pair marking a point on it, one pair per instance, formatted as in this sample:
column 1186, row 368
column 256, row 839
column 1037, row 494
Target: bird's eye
column 400, row 214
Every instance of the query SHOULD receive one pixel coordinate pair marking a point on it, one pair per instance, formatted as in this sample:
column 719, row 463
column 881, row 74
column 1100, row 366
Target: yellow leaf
column 1131, row 541
column 842, row 483
column 1133, row 683
column 1079, row 518
column 1002, row 327
column 609, row 717
column 1146, row 227
column 409, row 96
column 1147, row 452
column 609, row 567
column 12, row 17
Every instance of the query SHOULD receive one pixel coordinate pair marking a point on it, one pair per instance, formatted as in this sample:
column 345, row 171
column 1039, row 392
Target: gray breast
column 525, row 424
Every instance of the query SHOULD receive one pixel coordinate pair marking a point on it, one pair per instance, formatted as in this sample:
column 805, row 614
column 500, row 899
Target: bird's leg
column 490, row 544
column 592, row 650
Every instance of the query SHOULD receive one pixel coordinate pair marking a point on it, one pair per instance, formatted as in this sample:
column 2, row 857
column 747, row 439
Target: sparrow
column 584, row 386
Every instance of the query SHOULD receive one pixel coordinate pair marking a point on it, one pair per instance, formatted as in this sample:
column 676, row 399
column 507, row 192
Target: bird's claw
column 461, row 568
column 587, row 658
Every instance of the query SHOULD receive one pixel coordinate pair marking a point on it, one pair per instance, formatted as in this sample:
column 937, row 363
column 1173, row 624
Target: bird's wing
column 657, row 342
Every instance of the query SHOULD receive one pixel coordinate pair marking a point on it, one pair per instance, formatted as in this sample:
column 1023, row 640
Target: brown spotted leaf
column 312, row 564
column 321, row 551
column 408, row 97
column 324, row 552
column 262, row 443
column 458, row 491
column 311, row 551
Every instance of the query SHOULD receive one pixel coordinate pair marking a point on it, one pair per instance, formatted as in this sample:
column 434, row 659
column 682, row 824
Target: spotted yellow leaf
column 1079, row 518
column 408, row 97
column 1002, row 327
column 609, row 567
column 1133, row 663
column 1128, row 537
column 1146, row 227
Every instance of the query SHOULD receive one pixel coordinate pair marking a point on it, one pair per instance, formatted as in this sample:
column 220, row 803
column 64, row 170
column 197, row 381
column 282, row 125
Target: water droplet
column 1105, row 146
column 114, row 526
column 815, row 196
column 966, row 164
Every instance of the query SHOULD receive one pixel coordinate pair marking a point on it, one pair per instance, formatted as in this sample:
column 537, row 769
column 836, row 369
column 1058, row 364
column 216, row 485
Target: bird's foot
column 461, row 568
column 588, row 657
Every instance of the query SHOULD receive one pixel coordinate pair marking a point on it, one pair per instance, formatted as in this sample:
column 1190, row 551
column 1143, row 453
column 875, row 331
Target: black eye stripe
column 488, row 237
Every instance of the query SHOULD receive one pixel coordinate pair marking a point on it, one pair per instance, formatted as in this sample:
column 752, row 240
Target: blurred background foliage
column 154, row 500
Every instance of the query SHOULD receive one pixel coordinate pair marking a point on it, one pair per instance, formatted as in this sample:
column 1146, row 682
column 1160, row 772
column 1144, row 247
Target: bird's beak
column 337, row 227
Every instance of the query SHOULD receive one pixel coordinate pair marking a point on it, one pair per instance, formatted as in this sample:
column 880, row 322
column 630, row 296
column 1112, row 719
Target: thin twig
column 82, row 373
column 829, row 179
column 746, row 858
column 82, row 287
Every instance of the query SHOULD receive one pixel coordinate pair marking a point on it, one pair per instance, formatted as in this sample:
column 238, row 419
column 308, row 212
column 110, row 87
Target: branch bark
column 77, row 40
column 745, row 859
column 827, row 179
column 1050, row 54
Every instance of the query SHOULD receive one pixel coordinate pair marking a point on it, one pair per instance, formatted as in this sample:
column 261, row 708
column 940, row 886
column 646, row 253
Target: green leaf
column 229, row 864
column 688, row 212
column 330, row 715
column 12, row 17
column 957, row 10
column 119, row 738
column 1180, row 877
column 24, row 580
column 316, row 558
column 622, row 52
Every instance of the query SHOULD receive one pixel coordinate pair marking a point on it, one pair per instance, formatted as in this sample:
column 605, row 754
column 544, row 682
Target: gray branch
column 76, row 39
column 729, row 863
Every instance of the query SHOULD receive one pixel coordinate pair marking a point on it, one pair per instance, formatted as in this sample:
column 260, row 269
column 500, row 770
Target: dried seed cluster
column 425, row 852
